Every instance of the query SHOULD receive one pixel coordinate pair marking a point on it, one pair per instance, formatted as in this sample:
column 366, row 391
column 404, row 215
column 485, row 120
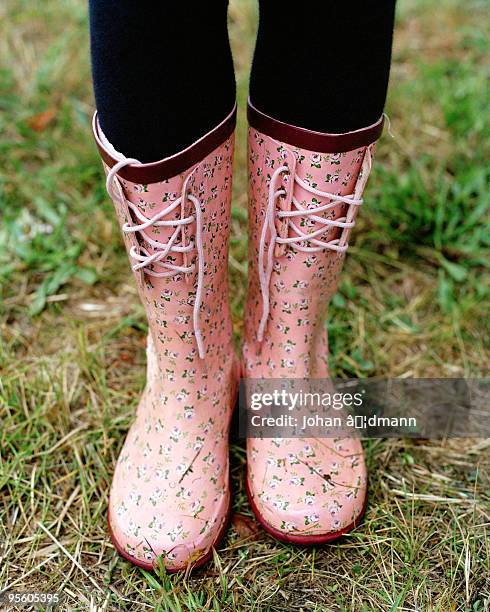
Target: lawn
column 413, row 302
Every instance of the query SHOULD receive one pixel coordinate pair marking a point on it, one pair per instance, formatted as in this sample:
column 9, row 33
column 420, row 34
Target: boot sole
column 302, row 540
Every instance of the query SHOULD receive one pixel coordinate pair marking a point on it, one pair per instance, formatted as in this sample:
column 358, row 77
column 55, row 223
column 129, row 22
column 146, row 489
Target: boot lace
column 151, row 262
column 307, row 242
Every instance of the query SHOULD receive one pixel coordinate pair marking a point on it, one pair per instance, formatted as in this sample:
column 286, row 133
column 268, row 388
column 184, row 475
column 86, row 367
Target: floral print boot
column 170, row 496
column 305, row 189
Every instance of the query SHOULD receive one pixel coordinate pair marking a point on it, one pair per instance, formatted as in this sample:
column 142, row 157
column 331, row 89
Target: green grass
column 413, row 301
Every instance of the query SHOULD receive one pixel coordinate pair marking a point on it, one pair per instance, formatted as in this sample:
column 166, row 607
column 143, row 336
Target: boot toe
column 304, row 520
column 168, row 533
column 306, row 500
column 170, row 506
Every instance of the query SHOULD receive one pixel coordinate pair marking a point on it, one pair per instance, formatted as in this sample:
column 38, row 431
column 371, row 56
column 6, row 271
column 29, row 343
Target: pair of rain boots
column 170, row 497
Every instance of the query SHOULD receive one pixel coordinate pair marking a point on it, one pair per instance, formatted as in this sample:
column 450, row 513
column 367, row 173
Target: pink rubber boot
column 170, row 496
column 305, row 191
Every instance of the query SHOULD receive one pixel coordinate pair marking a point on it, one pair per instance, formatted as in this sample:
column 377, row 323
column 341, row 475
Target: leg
column 163, row 73
column 337, row 54
column 318, row 88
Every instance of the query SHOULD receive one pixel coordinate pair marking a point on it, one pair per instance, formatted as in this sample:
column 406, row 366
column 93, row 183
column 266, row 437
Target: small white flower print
column 288, row 526
column 157, row 524
column 292, row 459
column 184, row 493
column 182, row 395
column 274, row 482
column 280, row 504
column 156, row 496
column 176, row 531
column 175, row 434
column 308, row 450
column 311, row 518
column 189, row 412
column 199, row 443
column 309, row 498
column 121, row 509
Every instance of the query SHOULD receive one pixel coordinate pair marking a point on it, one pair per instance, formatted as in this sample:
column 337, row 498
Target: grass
column 413, row 301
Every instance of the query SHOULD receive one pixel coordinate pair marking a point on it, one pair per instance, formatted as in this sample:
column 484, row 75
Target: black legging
column 163, row 71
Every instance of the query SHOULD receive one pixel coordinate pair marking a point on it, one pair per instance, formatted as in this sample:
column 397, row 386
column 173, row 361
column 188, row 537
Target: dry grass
column 413, row 302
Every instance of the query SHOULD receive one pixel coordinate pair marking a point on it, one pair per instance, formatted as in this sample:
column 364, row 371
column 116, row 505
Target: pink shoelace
column 150, row 261
column 299, row 236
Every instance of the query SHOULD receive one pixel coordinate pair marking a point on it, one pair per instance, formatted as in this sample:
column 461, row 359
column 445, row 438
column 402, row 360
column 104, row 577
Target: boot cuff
column 310, row 140
column 169, row 167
